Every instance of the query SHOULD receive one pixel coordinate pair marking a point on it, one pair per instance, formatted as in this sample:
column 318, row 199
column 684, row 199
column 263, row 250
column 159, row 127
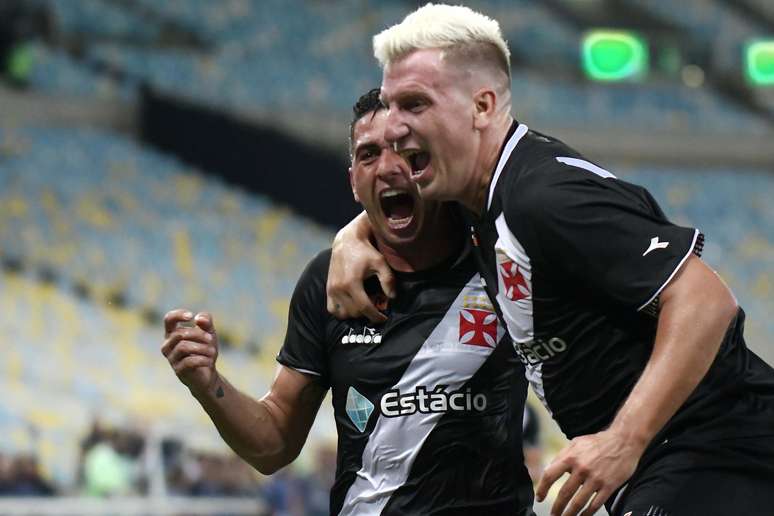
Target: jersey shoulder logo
column 655, row 244
column 359, row 408
column 514, row 283
column 367, row 336
column 478, row 328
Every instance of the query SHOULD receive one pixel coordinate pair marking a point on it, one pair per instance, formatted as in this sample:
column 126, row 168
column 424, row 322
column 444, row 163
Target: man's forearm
column 247, row 425
column 693, row 320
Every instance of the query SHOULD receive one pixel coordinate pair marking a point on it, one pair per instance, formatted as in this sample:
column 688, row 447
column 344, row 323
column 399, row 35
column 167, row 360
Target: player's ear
column 352, row 185
column 484, row 103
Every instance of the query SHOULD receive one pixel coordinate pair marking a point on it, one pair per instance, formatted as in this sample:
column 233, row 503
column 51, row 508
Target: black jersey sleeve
column 305, row 348
column 597, row 231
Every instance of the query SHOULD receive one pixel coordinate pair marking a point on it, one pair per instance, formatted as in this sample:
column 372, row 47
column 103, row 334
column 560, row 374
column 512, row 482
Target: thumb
column 204, row 321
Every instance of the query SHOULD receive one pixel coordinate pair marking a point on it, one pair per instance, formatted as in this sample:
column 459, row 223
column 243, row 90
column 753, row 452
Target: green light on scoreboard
column 611, row 55
column 759, row 62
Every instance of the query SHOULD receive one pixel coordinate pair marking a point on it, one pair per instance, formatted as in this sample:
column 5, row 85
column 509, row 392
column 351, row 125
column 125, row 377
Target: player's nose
column 395, row 128
column 391, row 166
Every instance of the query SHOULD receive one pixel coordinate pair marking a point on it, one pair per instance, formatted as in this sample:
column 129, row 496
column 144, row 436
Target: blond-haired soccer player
column 632, row 342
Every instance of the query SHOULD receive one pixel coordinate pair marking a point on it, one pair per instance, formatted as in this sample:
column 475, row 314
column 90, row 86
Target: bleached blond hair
column 455, row 27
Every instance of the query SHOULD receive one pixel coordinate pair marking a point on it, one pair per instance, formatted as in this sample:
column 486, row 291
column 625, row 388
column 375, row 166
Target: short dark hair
column 367, row 103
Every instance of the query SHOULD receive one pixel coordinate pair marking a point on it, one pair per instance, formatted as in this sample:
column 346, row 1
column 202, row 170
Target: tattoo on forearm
column 219, row 393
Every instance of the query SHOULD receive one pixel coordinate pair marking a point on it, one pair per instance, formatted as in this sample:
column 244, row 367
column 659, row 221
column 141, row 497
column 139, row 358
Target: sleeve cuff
column 651, row 306
column 304, row 370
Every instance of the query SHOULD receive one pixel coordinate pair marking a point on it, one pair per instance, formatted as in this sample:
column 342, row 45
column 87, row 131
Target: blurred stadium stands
column 127, row 222
column 715, row 26
column 100, row 233
column 238, row 68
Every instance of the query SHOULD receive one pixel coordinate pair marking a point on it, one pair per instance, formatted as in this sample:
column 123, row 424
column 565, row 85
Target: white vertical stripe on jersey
column 395, row 441
column 521, row 130
column 586, row 165
column 518, row 314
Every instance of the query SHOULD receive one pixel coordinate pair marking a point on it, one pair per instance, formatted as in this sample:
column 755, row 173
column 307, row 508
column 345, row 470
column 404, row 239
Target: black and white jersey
column 576, row 259
column 428, row 406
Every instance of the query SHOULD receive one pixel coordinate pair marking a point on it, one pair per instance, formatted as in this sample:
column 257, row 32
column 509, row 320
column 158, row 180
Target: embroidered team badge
column 515, row 285
column 478, row 328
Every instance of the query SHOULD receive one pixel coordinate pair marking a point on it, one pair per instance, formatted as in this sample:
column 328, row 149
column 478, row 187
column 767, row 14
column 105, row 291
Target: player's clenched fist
column 191, row 349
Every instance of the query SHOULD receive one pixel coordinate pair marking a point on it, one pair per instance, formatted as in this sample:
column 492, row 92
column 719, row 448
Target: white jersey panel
column 514, row 295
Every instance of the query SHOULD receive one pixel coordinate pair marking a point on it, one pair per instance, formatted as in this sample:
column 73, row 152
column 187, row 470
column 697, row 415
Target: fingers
column 354, row 259
column 195, row 335
column 355, row 307
column 599, row 500
column 187, row 348
column 580, row 499
column 366, row 307
column 551, row 474
column 191, row 362
column 174, row 317
column 565, row 494
column 386, row 279
column 205, row 322
column 332, row 305
column 354, row 304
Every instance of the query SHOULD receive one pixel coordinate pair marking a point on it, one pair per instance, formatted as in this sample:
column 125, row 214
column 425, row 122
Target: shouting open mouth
column 418, row 159
column 398, row 207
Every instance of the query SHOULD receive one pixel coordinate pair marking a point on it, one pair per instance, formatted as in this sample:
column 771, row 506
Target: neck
column 476, row 194
column 435, row 243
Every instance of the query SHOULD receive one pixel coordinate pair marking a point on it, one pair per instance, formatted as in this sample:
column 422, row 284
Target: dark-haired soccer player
column 632, row 342
column 428, row 405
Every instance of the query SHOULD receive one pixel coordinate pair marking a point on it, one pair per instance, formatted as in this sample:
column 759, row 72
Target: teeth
column 400, row 223
column 392, row 193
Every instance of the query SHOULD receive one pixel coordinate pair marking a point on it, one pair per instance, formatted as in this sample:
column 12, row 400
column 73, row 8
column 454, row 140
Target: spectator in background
column 6, row 474
column 97, row 434
column 110, row 462
column 21, row 476
column 284, row 493
column 105, row 471
column 320, row 480
column 20, row 22
column 28, row 479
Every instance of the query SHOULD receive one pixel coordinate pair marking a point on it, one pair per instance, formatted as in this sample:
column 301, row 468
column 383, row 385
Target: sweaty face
column 380, row 182
column 430, row 122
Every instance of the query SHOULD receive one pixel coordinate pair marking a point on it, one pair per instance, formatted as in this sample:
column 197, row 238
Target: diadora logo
column 655, row 244
column 394, row 404
column 538, row 351
column 515, row 285
column 478, row 328
column 367, row 336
